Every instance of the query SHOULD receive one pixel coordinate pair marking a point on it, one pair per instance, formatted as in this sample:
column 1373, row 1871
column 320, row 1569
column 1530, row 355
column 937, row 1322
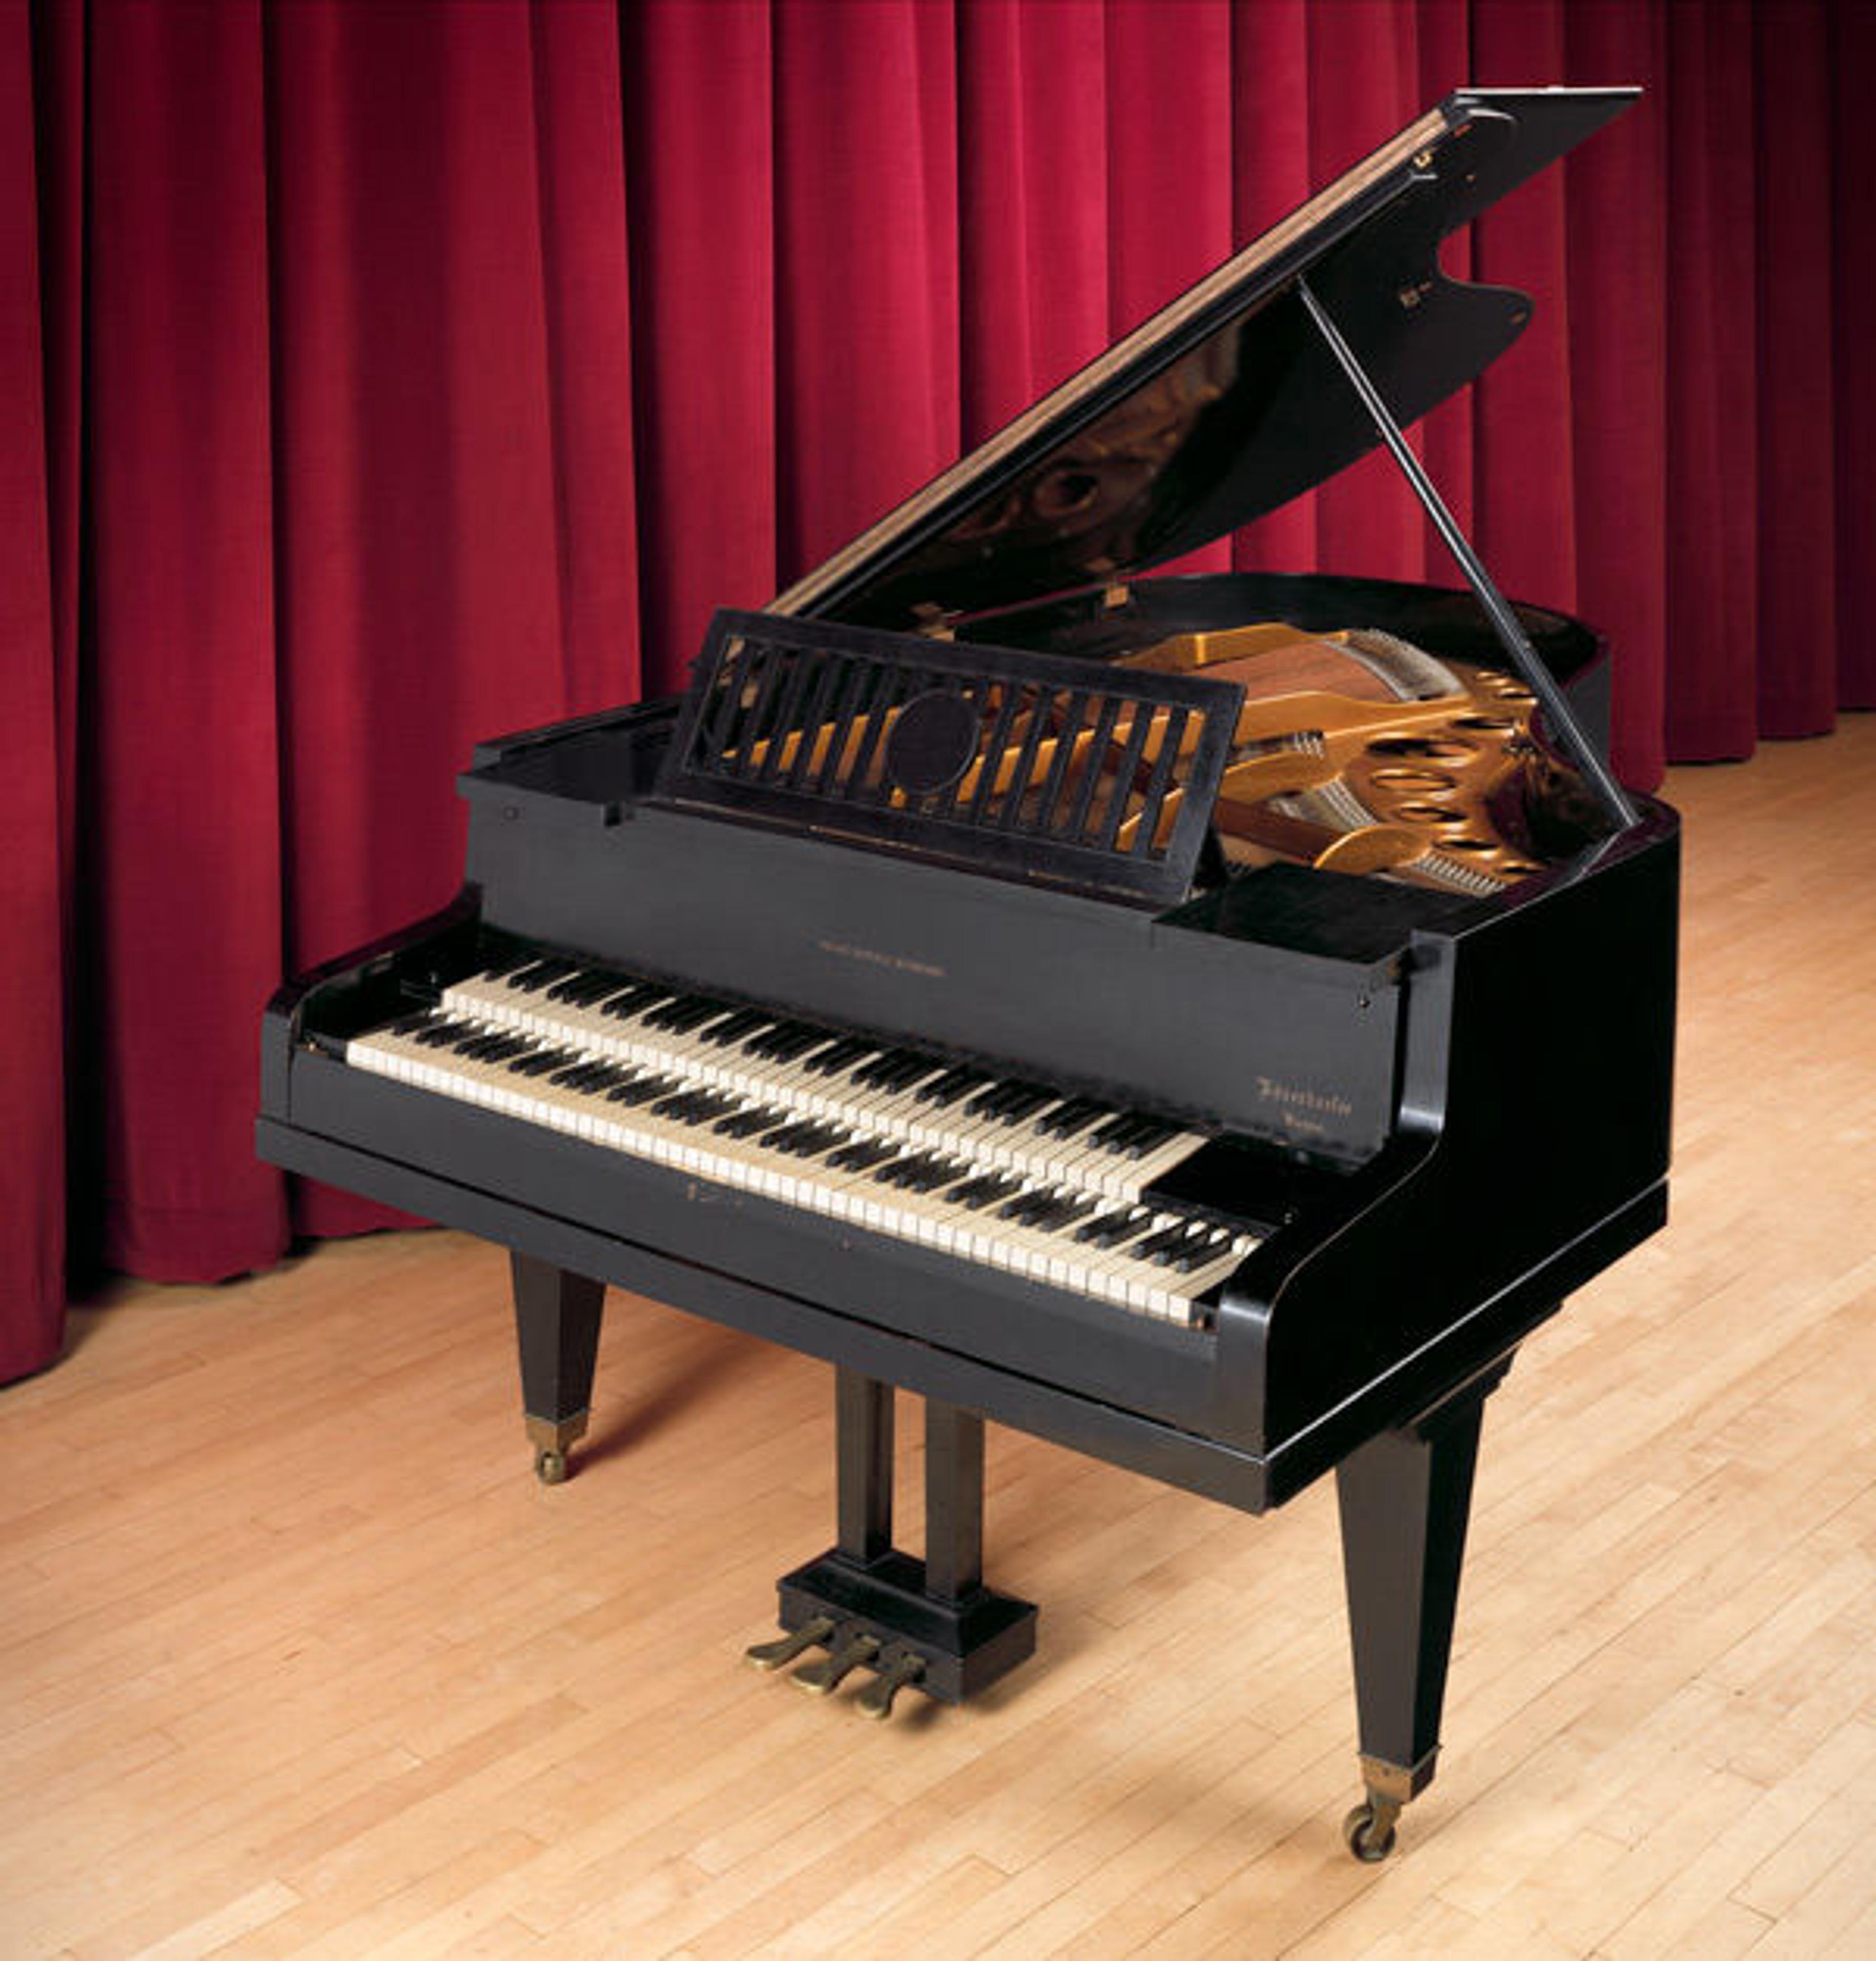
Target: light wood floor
column 296, row 1658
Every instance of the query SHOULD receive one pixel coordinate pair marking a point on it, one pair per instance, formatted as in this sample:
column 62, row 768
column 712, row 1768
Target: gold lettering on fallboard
column 900, row 963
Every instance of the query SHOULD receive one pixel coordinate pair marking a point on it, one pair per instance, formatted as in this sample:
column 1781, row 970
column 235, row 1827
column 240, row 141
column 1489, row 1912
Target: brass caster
column 766, row 1655
column 553, row 1437
column 1368, row 1830
column 898, row 1669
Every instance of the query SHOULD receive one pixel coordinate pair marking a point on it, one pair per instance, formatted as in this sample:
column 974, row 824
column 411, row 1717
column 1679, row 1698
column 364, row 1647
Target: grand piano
column 1207, row 1021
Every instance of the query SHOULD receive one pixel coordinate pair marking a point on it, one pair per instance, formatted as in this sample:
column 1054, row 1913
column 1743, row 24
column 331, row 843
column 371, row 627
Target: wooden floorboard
column 297, row 1659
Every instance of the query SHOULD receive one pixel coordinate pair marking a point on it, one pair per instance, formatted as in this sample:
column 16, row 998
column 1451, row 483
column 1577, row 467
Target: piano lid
column 1227, row 403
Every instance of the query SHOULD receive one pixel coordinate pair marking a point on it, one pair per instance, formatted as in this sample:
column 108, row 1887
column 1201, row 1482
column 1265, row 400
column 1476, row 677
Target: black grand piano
column 1207, row 1021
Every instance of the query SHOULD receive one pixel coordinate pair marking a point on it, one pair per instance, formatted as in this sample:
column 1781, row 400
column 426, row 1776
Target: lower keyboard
column 1128, row 1253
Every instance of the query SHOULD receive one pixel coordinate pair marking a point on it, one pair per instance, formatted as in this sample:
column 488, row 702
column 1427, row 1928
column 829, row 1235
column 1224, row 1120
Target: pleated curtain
column 382, row 377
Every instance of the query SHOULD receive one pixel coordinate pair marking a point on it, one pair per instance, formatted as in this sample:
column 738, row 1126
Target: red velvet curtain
column 381, row 376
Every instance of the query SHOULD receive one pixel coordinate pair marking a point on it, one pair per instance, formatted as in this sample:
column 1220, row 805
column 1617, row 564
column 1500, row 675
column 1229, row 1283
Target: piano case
column 1435, row 1105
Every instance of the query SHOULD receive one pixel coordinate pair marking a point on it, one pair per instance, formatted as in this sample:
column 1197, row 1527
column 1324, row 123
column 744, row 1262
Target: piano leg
column 863, row 1438
column 1405, row 1496
column 930, row 1622
column 557, row 1318
column 954, row 1502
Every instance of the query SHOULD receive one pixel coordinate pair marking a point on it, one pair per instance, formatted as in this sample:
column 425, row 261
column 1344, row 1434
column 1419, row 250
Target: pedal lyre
column 766, row 1655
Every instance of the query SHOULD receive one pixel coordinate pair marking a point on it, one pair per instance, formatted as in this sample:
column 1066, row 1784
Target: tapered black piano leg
column 557, row 1318
column 1405, row 1497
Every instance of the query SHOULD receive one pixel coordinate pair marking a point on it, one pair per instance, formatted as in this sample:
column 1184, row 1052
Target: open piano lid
column 1227, row 403
column 835, row 712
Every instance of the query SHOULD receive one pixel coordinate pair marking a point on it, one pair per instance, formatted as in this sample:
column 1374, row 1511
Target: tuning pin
column 778, row 1654
column 818, row 1678
column 900, row 1668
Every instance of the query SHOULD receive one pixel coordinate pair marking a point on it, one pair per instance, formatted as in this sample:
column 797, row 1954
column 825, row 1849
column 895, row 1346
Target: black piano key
column 940, row 1173
column 698, row 1014
column 1025, row 1099
column 1019, row 1208
column 911, row 1068
column 587, row 985
column 878, row 1072
column 1113, row 1229
column 945, row 1090
column 862, row 1155
column 1164, row 1248
column 442, row 1035
column 987, row 1101
column 988, row 1188
column 858, row 1075
column 1072, row 1117
column 683, row 1105
column 733, row 1027
column 606, row 1075
column 542, row 1060
column 666, row 1011
column 635, row 1000
column 471, row 1048
column 744, row 1122
column 577, row 1076
column 642, row 1089
column 1203, row 1249
column 784, row 1042
column 683, row 1013
column 910, row 1173
column 537, row 978
column 587, row 1080
column 839, row 1055
column 1130, row 1135
column 1156, row 1243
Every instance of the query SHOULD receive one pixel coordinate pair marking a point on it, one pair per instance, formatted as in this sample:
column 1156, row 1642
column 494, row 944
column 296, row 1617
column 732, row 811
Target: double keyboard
column 1003, row 1173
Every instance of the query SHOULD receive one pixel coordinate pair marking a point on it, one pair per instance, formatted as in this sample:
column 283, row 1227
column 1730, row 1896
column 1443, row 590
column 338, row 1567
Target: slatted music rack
column 1032, row 766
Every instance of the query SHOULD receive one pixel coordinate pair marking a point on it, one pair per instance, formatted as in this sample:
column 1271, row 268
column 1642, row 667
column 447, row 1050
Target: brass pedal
column 821, row 1678
column 777, row 1654
column 899, row 1668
